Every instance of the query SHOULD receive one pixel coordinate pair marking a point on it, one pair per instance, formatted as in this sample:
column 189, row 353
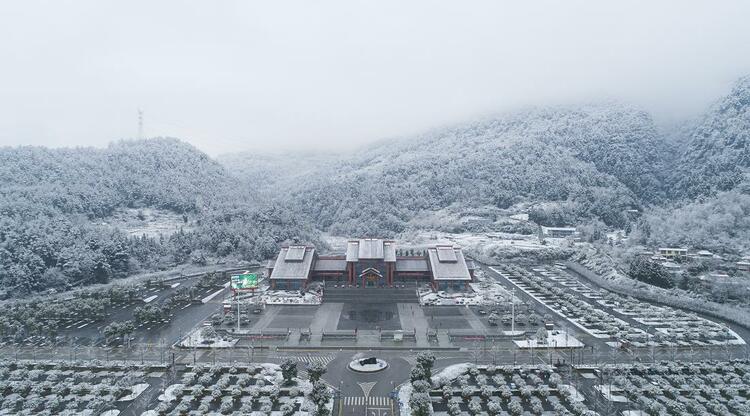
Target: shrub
column 453, row 408
column 421, row 386
column 467, row 392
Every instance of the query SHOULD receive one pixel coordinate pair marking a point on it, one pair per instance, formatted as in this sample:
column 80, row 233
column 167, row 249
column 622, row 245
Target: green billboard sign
column 245, row 281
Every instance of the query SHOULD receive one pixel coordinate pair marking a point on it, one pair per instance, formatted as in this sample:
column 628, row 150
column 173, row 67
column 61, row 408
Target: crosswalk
column 309, row 359
column 378, row 401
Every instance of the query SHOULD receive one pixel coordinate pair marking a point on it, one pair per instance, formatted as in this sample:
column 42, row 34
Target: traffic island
column 368, row 365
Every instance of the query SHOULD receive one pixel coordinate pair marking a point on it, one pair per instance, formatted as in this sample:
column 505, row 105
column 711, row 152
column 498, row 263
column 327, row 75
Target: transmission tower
column 140, row 124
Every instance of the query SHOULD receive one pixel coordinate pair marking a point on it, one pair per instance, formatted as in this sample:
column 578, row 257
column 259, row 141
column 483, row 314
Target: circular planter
column 380, row 365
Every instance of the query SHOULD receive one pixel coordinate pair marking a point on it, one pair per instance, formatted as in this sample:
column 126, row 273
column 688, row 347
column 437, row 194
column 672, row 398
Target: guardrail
column 341, row 334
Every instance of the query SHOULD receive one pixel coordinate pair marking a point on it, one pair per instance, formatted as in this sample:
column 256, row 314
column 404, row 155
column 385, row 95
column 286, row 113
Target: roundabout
column 368, row 365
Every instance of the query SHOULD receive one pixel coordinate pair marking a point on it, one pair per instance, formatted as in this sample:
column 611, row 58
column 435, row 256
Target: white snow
column 555, row 339
column 290, row 297
column 575, row 395
column 213, row 295
column 135, row 392
column 150, row 298
column 196, row 339
column 404, row 393
column 169, row 393
column 451, row 372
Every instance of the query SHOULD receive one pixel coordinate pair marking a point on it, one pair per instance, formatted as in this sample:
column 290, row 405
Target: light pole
column 237, row 298
column 513, row 312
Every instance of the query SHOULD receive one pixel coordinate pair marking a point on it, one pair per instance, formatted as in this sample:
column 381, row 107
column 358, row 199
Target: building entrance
column 371, row 277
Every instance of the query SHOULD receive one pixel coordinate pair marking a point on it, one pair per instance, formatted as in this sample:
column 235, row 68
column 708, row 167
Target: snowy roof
column 672, row 249
column 352, row 250
column 448, row 270
column 295, row 253
column 412, row 265
column 371, row 248
column 446, row 254
column 389, row 251
column 330, row 265
column 287, row 267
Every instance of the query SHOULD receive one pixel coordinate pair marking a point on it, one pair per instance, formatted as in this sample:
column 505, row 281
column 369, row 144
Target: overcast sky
column 229, row 76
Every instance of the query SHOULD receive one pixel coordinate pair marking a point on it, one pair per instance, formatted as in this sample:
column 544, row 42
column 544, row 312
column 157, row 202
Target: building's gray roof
column 389, row 251
column 352, row 250
column 330, row 265
column 412, row 265
column 448, row 270
column 293, row 269
column 371, row 248
column 446, row 254
column 295, row 253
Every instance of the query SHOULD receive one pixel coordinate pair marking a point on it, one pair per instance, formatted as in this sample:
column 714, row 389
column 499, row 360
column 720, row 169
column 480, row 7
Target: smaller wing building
column 292, row 267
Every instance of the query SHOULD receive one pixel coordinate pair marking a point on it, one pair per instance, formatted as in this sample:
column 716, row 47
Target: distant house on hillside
column 673, row 253
column 743, row 265
column 558, row 232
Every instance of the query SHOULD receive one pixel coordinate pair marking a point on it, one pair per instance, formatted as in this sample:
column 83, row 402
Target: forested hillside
column 565, row 165
column 709, row 183
column 716, row 155
column 592, row 162
column 272, row 173
column 54, row 205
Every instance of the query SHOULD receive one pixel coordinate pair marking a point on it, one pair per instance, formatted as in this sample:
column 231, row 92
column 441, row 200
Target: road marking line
column 367, row 387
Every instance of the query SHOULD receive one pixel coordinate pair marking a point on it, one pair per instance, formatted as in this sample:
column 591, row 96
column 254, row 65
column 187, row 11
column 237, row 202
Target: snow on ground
column 555, row 339
column 613, row 395
column 484, row 291
column 152, row 222
column 113, row 412
column 451, row 372
column 428, row 297
column 404, row 393
column 575, row 395
column 290, row 297
column 150, row 413
column 196, row 339
column 135, row 392
column 213, row 295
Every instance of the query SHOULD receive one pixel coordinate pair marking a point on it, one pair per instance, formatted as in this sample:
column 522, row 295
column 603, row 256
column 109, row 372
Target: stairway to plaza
column 371, row 295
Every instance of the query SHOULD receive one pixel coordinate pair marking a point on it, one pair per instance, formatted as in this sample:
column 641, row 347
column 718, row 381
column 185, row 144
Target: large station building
column 371, row 262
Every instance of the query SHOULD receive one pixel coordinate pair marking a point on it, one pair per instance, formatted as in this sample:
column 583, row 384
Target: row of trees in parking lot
column 46, row 318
